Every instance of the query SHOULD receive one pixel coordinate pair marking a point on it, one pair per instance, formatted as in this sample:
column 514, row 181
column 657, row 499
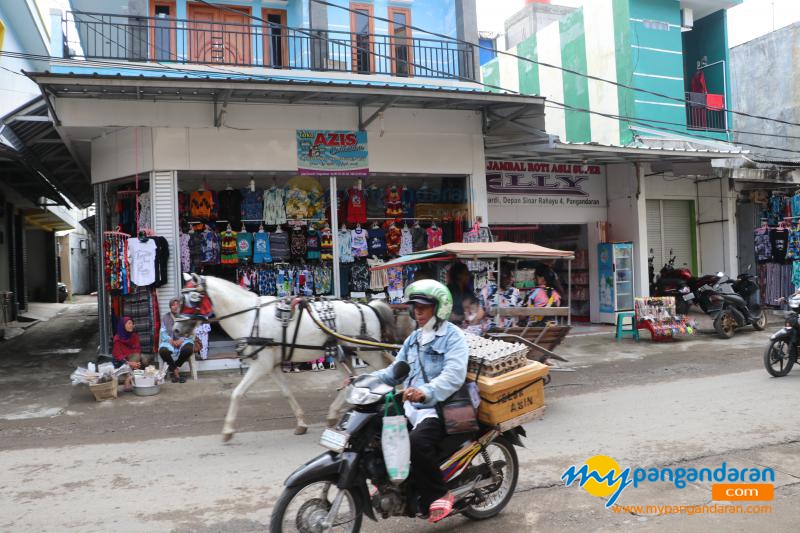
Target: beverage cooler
column 615, row 269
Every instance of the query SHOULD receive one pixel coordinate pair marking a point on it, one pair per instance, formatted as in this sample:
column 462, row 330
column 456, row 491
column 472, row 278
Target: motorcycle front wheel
column 725, row 324
column 304, row 508
column 777, row 358
column 491, row 500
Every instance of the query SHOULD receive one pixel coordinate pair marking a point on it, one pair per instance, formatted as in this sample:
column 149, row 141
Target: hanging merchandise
column 201, row 334
column 375, row 208
column 393, row 202
column 395, row 284
column 279, row 246
column 274, row 210
column 230, row 206
column 378, row 279
column 323, row 280
column 779, row 239
column 356, row 207
column 141, row 305
column 283, row 282
column 776, row 209
column 252, row 204
column 344, row 244
column 434, row 236
column 183, row 205
column 313, row 244
column 419, row 238
column 794, row 204
column 406, row 243
column 358, row 240
column 145, row 217
column 407, row 198
column 229, row 254
column 200, row 204
column 326, row 243
column 763, row 246
column 186, row 258
column 297, row 244
column 297, row 203
column 376, row 242
column 195, row 251
column 142, row 258
column 162, row 261
column 359, row 277
column 262, row 247
column 393, row 238
column 316, row 205
column 115, row 261
column 244, row 246
column 448, row 231
column 210, row 244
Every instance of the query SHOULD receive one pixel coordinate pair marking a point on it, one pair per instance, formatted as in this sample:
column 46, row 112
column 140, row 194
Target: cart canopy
column 479, row 250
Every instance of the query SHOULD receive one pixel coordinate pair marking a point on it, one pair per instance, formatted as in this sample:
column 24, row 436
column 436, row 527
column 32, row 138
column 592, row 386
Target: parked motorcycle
column 782, row 351
column 731, row 303
column 675, row 282
column 331, row 490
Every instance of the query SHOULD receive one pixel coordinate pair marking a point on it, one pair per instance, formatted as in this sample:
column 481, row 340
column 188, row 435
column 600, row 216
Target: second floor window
column 361, row 25
column 400, row 41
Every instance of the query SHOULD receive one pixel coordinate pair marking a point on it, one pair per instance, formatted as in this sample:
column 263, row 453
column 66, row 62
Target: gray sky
column 747, row 21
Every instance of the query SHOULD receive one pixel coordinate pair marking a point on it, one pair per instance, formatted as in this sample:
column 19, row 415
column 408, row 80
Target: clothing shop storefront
column 281, row 198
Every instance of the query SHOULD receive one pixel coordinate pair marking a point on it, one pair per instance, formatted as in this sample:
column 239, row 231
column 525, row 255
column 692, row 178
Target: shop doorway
column 219, row 35
column 572, row 237
column 670, row 226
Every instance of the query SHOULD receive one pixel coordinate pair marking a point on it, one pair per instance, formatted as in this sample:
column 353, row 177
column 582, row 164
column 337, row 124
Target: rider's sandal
column 441, row 508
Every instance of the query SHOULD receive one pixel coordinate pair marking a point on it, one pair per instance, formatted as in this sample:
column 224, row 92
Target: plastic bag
column 395, row 443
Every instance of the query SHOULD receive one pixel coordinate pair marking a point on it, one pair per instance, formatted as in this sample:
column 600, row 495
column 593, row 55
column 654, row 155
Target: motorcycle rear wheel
column 725, row 324
column 761, row 321
column 495, row 501
column 777, row 359
column 313, row 507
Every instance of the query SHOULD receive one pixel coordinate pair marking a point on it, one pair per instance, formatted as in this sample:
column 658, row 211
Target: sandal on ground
column 441, row 508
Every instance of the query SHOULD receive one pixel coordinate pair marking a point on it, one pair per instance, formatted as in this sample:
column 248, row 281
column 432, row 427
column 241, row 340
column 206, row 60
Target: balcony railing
column 169, row 40
column 706, row 112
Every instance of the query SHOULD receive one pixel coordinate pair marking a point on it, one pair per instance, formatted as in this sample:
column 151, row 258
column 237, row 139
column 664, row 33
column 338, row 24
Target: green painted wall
column 528, row 72
column 624, row 57
column 576, row 88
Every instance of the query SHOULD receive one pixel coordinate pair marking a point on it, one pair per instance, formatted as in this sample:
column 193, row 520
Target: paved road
column 158, row 464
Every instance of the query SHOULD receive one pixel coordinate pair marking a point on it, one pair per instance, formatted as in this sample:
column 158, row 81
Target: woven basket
column 105, row 391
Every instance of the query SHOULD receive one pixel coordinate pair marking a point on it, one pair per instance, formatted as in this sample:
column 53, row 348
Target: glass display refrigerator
column 615, row 269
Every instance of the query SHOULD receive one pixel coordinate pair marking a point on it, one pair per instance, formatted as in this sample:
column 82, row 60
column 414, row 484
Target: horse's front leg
column 258, row 368
column 279, row 378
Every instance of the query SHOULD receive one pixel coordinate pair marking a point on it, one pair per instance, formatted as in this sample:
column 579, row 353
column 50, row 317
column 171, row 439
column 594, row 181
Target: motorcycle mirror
column 720, row 274
column 401, row 370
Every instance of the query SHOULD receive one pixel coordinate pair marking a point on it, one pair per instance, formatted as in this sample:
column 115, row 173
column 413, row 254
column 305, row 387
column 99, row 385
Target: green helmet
column 429, row 291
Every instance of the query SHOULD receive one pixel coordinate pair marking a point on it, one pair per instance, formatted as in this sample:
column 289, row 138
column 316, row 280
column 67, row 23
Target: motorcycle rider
column 440, row 346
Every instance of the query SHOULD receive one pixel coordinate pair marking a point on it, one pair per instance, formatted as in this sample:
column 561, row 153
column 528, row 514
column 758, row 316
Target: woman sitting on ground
column 173, row 349
column 126, row 348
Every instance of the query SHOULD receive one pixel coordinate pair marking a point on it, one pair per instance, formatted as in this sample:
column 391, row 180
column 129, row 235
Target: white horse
column 227, row 298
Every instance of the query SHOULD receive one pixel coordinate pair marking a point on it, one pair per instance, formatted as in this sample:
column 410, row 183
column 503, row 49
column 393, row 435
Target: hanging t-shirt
column 375, row 207
column 434, row 237
column 419, row 238
column 313, row 245
column 252, row 204
column 195, row 251
column 393, row 203
column 356, row 208
column 406, row 246
column 795, row 205
column 145, row 220
column 279, row 246
column 183, row 204
column 326, row 244
column 763, row 246
column 297, row 244
column 200, row 204
column 244, row 246
column 262, row 248
column 359, row 278
column 230, row 206
column 229, row 254
column 345, row 246
column 393, row 236
column 186, row 257
column 779, row 239
column 274, row 210
column 142, row 259
column 358, row 242
column 210, row 247
column 377, row 242
column 407, row 197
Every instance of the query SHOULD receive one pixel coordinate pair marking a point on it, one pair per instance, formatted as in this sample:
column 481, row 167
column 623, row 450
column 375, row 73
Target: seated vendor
column 505, row 296
column 174, row 349
column 473, row 315
column 542, row 296
column 126, row 348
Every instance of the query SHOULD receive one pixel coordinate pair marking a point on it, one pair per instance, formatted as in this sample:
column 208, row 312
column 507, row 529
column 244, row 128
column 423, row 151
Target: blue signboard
column 329, row 153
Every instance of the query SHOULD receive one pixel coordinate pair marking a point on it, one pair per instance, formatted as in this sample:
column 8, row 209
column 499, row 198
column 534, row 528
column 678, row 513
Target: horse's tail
column 386, row 318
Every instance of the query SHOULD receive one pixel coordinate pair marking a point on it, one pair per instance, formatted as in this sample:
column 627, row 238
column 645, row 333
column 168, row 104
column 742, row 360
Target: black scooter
column 782, row 351
column 731, row 303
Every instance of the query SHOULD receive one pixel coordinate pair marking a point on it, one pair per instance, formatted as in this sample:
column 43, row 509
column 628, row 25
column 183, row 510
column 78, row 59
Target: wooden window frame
column 410, row 38
column 354, row 36
column 171, row 4
column 265, row 12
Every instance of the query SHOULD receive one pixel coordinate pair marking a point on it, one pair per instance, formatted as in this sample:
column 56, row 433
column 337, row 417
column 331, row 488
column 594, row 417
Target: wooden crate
column 511, row 395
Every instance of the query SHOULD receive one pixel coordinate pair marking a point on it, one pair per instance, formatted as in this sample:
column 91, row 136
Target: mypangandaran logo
column 602, row 476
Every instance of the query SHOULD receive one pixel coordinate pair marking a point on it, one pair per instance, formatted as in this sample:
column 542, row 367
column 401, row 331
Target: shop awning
column 36, row 162
column 479, row 250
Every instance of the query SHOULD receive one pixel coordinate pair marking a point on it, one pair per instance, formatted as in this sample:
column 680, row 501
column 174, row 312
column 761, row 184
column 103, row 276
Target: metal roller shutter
column 164, row 208
column 654, row 233
column 669, row 227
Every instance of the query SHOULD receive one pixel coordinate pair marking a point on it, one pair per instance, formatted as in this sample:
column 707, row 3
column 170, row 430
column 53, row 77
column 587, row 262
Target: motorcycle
column 331, row 489
column 675, row 282
column 731, row 303
column 782, row 351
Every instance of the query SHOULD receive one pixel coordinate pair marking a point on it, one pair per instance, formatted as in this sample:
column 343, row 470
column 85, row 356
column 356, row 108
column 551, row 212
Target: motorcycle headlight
column 361, row 396
column 685, row 290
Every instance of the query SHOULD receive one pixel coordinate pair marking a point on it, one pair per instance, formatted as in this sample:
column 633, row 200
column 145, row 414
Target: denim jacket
column 445, row 359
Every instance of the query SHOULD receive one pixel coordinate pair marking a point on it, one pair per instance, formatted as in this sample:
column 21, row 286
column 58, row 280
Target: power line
column 569, row 71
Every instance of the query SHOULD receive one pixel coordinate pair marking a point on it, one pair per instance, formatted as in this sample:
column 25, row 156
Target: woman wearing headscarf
column 126, row 348
column 173, row 349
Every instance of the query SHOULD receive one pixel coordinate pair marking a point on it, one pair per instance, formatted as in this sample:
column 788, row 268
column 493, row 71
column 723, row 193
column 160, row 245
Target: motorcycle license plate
column 334, row 440
column 688, row 297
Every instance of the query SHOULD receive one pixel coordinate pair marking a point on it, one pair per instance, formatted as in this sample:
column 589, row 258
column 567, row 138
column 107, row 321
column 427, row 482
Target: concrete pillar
column 467, row 30
column 318, row 22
